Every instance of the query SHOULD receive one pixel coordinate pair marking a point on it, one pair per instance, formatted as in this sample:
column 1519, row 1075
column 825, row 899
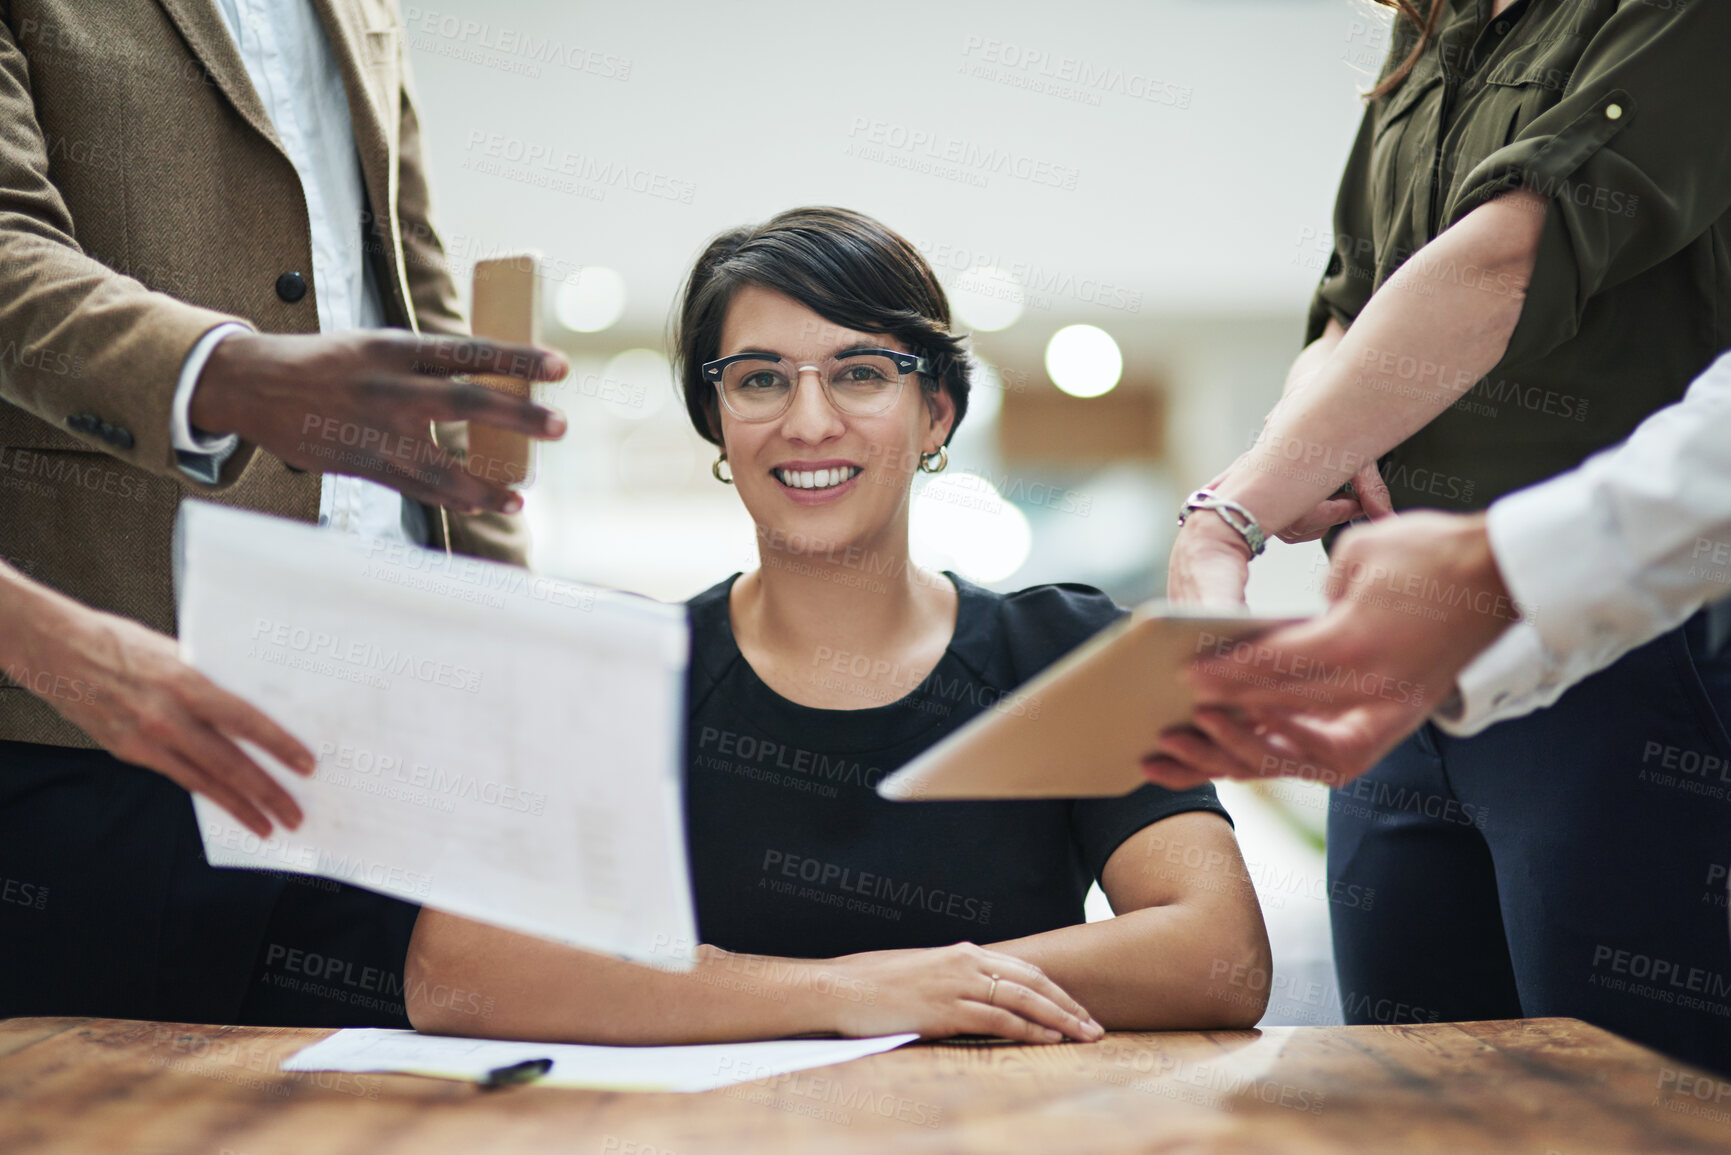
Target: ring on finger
column 992, row 996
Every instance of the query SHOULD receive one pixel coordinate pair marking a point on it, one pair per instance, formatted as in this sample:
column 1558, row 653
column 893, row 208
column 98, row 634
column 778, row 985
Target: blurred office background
column 1128, row 200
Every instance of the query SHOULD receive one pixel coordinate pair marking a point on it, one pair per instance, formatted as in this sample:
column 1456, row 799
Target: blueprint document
column 491, row 743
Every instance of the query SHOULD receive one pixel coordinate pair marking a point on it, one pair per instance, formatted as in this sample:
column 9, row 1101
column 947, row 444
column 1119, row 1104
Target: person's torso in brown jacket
column 144, row 198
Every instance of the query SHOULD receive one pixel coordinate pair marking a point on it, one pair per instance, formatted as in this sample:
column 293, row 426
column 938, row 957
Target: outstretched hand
column 1413, row 600
column 362, row 403
column 125, row 686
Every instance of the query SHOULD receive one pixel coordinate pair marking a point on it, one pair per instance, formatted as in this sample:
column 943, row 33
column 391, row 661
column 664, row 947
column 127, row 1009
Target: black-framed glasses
column 858, row 382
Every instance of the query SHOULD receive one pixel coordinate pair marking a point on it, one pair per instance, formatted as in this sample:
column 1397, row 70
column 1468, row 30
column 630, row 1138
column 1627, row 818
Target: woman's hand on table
column 944, row 991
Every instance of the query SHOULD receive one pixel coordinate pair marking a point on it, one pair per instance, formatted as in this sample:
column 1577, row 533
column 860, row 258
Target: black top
column 794, row 854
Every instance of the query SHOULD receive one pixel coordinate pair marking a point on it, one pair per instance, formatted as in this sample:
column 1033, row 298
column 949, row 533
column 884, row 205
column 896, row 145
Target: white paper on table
column 694, row 1068
column 492, row 743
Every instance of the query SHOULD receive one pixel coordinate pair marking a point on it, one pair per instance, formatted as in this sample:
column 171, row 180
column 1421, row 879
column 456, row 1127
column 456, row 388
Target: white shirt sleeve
column 200, row 456
column 1608, row 556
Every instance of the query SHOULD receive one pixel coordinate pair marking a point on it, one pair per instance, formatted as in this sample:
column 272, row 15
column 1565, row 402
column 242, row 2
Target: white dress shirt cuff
column 200, row 455
column 1567, row 570
column 1547, row 544
column 1567, row 564
column 1513, row 676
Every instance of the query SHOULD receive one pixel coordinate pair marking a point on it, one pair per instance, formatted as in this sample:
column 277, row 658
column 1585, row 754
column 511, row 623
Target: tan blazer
column 144, row 198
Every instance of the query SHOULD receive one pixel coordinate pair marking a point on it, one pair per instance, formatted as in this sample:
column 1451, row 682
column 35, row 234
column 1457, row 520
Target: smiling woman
column 816, row 352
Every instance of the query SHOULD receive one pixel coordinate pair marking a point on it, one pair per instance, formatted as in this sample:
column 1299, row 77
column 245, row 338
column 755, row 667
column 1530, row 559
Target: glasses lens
column 865, row 383
column 756, row 390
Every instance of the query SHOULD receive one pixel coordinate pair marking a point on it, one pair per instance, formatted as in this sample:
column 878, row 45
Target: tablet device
column 1081, row 728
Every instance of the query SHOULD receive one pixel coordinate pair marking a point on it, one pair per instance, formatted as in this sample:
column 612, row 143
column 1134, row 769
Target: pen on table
column 525, row 1072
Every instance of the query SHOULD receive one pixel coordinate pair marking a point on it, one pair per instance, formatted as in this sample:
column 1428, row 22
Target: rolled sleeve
column 1635, row 160
column 1350, row 274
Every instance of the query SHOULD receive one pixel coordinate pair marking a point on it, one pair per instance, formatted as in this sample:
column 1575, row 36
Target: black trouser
column 108, row 908
column 1572, row 862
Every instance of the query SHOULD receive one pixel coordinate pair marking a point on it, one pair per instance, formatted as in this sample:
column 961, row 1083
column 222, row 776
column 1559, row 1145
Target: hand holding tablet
column 1082, row 728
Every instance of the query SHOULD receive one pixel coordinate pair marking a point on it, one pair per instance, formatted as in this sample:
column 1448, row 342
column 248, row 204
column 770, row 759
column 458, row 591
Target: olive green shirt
column 1620, row 114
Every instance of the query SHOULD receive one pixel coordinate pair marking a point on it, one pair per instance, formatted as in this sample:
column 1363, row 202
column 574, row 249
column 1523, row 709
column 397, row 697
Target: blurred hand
column 126, row 687
column 361, row 403
column 943, row 991
column 1367, row 497
column 1413, row 600
column 1332, row 750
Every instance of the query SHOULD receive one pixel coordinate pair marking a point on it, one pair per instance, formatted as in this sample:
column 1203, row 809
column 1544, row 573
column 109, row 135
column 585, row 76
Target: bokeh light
column 960, row 521
column 1084, row 360
column 635, row 383
column 591, row 301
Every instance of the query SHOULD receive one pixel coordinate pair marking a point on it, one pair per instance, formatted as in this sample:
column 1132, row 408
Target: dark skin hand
column 363, row 402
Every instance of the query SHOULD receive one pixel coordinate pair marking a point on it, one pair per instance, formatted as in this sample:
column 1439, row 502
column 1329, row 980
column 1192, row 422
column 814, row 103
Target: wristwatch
column 1233, row 514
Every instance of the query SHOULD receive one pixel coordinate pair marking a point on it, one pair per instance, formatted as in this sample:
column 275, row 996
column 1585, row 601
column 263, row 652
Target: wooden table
column 1540, row 1085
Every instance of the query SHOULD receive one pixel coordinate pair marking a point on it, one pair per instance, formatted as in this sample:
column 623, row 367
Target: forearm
column 1312, row 358
column 538, row 990
column 1434, row 329
column 1155, row 969
column 31, row 614
column 1302, row 371
column 1186, row 944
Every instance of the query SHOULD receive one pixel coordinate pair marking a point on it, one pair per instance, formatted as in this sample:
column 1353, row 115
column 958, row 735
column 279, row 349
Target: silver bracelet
column 1233, row 514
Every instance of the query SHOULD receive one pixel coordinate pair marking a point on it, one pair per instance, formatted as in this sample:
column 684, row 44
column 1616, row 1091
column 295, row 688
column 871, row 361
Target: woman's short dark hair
column 844, row 266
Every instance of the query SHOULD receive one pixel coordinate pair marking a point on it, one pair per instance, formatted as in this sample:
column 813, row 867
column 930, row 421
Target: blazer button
column 291, row 287
column 116, row 435
column 82, row 422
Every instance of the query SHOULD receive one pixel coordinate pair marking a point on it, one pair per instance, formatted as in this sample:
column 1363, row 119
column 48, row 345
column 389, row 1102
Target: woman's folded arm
column 1188, row 949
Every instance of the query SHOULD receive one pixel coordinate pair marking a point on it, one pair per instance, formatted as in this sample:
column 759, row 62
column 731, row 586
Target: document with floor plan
column 490, row 742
